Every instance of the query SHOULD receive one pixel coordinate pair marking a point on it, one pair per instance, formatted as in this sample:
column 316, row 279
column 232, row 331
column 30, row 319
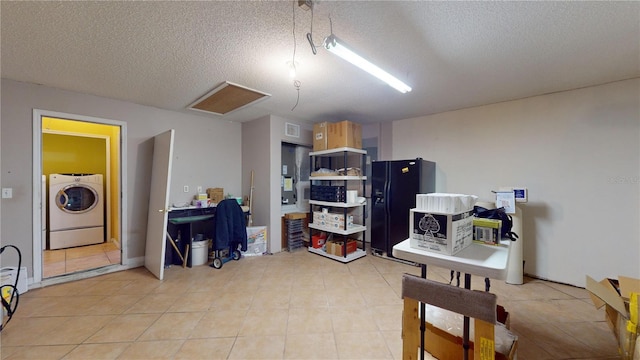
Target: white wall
column 262, row 144
column 207, row 153
column 578, row 152
column 256, row 158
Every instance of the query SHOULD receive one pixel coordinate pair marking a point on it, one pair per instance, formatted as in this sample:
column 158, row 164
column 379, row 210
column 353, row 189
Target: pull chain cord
column 296, row 83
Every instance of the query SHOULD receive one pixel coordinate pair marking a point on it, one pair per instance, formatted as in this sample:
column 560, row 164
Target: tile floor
column 284, row 306
column 66, row 261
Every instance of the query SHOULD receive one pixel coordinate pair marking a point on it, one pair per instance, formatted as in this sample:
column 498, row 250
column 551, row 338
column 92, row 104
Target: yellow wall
column 74, row 154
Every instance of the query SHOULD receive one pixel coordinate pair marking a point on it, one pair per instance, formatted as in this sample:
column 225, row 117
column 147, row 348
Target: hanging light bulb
column 292, row 66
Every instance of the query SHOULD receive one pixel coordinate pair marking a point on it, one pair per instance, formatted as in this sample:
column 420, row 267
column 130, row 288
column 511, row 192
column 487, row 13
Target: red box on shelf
column 317, row 241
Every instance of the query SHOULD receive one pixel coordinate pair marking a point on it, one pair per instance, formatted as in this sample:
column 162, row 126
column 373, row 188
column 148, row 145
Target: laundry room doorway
column 78, row 222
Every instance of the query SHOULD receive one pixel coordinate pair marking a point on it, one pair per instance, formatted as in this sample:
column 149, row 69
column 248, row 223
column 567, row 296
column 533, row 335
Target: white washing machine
column 76, row 210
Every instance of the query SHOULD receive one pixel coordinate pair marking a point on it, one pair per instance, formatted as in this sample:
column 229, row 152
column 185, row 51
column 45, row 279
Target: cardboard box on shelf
column 320, row 136
column 444, row 345
column 440, row 232
column 295, row 215
column 335, row 247
column 332, row 221
column 343, row 134
column 215, row 194
column 622, row 307
column 487, row 231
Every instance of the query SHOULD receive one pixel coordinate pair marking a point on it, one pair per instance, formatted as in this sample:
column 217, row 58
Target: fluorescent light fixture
column 337, row 46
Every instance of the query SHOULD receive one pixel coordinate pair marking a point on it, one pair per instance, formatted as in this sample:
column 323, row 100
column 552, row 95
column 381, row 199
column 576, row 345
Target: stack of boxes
column 294, row 223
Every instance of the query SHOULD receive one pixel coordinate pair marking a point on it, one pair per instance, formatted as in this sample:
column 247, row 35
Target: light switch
column 7, row 193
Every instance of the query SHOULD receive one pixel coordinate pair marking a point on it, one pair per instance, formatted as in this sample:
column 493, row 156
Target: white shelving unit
column 340, row 158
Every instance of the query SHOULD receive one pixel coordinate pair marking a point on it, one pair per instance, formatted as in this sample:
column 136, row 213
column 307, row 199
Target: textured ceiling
column 453, row 54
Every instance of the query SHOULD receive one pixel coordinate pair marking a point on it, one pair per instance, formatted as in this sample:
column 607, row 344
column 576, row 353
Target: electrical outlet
column 199, row 189
column 7, row 193
column 185, row 188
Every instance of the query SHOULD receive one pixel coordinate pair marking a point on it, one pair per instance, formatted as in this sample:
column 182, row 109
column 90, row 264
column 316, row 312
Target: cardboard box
column 320, row 136
column 444, row 345
column 215, row 194
column 331, row 221
column 622, row 306
column 487, row 231
column 295, row 215
column 335, row 247
column 440, row 232
column 343, row 134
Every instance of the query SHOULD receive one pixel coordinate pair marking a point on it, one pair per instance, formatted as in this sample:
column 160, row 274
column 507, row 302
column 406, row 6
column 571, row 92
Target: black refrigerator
column 394, row 185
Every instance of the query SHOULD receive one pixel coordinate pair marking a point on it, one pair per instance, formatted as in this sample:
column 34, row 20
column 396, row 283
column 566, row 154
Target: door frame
column 107, row 174
column 38, row 197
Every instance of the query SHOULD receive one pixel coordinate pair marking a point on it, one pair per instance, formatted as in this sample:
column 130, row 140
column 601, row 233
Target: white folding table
column 488, row 261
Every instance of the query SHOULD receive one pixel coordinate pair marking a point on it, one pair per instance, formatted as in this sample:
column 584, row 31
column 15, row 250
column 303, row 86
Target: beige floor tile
column 339, row 280
column 266, row 298
column 68, row 306
column 352, row 319
column 65, row 261
column 97, row 351
column 345, row 297
column 264, row 323
column 362, row 345
column 144, row 350
column 234, row 299
column 84, row 251
column 394, row 343
column 193, row 302
column 153, row 303
column 140, row 286
column 114, row 256
column 52, row 352
column 310, row 346
column 123, row 328
column 114, row 305
column 555, row 341
column 258, row 347
column 219, row 323
column 73, row 331
column 311, row 320
column 172, row 326
column 387, row 317
column 308, row 298
column 106, row 287
column 24, row 331
column 87, row 262
column 596, row 336
column 380, row 295
column 210, row 349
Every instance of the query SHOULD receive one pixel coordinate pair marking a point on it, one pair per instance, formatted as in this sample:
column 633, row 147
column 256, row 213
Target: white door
column 159, row 203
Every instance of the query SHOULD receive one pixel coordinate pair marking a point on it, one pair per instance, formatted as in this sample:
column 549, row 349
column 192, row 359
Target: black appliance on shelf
column 394, row 185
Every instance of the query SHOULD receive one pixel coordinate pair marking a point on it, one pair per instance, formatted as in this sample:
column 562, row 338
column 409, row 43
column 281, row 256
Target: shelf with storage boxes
column 337, row 203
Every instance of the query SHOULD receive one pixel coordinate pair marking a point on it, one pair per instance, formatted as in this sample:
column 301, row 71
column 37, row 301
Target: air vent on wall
column 228, row 97
column 292, row 130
